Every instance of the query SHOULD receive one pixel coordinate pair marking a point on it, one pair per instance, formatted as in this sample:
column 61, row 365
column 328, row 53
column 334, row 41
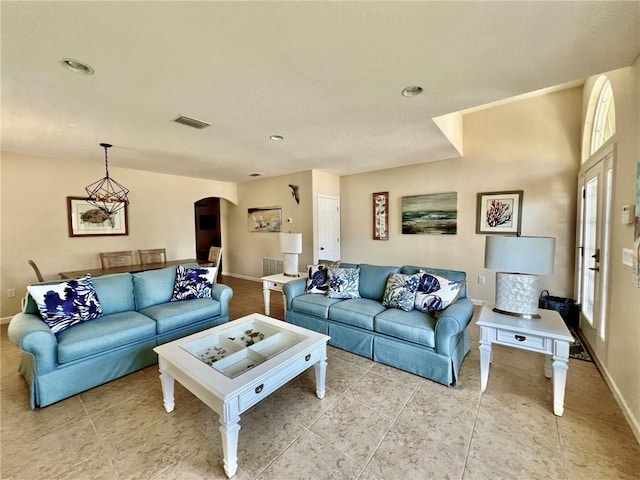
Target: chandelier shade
column 106, row 193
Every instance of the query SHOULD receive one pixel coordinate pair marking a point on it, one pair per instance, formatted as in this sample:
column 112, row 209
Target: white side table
column 548, row 335
column 275, row 283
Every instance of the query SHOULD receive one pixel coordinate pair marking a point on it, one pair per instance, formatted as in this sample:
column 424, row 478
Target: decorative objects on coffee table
column 499, row 212
column 230, row 374
column 86, row 220
column 548, row 335
column 434, row 214
column 381, row 216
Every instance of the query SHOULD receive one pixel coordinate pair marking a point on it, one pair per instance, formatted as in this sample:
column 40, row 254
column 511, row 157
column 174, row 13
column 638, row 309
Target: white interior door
column 328, row 229
column 593, row 247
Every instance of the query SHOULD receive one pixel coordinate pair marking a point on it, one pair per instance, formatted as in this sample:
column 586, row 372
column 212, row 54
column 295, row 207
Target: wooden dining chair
column 153, row 255
column 116, row 259
column 215, row 256
column 37, row 270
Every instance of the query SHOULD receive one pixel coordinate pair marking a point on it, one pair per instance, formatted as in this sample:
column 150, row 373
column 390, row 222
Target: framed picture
column 499, row 212
column 381, row 216
column 86, row 220
column 432, row 214
column 264, row 219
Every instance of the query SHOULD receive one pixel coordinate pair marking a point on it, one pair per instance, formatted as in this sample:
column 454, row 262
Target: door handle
column 595, row 269
column 321, row 248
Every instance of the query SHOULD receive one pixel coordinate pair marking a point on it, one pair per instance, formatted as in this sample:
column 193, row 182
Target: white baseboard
column 4, row 320
column 628, row 414
column 242, row 277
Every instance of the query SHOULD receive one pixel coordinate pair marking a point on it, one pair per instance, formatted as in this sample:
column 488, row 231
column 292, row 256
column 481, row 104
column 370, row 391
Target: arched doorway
column 207, row 226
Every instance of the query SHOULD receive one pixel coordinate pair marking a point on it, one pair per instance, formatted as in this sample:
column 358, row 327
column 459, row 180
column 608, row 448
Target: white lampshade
column 533, row 255
column 518, row 261
column 291, row 242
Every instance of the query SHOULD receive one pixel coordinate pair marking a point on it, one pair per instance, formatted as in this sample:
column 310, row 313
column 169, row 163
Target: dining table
column 138, row 267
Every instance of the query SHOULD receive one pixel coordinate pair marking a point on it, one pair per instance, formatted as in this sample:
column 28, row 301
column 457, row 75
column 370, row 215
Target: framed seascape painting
column 499, row 212
column 86, row 220
column 264, row 219
column 433, row 214
column 381, row 216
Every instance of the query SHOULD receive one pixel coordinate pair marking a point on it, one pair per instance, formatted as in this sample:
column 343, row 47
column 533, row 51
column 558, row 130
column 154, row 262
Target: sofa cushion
column 115, row 293
column 455, row 275
column 105, row 333
column 414, row 326
column 358, row 312
column 193, row 283
column 153, row 286
column 435, row 293
column 172, row 315
column 65, row 304
column 373, row 280
column 315, row 304
column 343, row 283
column 401, row 291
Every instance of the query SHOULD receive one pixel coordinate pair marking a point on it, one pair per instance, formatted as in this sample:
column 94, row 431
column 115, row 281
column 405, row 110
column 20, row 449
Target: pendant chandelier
column 107, row 194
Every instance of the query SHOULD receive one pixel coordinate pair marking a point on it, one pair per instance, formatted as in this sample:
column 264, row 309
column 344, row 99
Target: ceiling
column 327, row 76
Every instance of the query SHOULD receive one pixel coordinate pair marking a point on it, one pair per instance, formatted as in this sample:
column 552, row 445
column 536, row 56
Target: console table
column 275, row 283
column 548, row 335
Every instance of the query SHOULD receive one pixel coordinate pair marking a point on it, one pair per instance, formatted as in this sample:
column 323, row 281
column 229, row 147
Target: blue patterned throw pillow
column 193, row 283
column 344, row 282
column 63, row 305
column 436, row 293
column 400, row 291
column 318, row 277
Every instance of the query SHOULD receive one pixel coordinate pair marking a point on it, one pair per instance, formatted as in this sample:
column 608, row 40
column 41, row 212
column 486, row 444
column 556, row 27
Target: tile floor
column 375, row 423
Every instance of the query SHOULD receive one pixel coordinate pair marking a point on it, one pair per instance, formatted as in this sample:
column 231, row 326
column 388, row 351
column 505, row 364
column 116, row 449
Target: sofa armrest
column 31, row 335
column 454, row 320
column 294, row 289
column 223, row 294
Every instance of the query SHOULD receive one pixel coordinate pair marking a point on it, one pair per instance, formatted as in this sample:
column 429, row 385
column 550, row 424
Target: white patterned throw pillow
column 436, row 293
column 344, row 283
column 400, row 291
column 193, row 283
column 63, row 305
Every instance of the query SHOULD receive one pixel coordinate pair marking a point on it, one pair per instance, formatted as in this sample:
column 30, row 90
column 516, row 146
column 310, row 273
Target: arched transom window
column 604, row 120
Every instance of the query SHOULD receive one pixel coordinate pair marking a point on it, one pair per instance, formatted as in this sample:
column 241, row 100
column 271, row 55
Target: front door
column 593, row 249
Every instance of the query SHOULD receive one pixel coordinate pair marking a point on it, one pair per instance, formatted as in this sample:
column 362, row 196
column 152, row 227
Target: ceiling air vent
column 191, row 122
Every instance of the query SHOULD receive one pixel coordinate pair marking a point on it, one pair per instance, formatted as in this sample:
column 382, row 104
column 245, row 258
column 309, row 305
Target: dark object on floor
column 568, row 309
column 576, row 349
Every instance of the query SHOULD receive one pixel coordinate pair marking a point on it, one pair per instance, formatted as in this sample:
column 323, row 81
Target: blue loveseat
column 413, row 341
column 137, row 316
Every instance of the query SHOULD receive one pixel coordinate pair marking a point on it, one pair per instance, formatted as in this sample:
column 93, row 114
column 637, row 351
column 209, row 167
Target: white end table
column 275, row 283
column 548, row 335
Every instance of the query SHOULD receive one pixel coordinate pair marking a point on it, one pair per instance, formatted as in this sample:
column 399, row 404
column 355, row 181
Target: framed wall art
column 264, row 219
column 432, row 214
column 86, row 220
column 381, row 216
column 499, row 213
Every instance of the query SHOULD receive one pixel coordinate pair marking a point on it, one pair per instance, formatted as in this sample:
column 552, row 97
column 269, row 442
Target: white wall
column 34, row 218
column 531, row 145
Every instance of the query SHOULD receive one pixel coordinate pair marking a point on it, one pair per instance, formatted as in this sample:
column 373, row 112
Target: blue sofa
column 137, row 316
column 413, row 341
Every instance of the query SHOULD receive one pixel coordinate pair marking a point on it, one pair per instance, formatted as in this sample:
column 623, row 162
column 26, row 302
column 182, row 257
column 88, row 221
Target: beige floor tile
column 97, row 467
column 515, row 386
column 203, row 463
column 353, row 428
column 381, row 393
column 597, row 437
column 583, row 466
column 342, row 374
column 415, row 452
column 134, row 385
column 312, row 458
column 352, row 358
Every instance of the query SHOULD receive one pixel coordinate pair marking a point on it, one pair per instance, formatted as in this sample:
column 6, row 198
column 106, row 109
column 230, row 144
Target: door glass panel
column 589, row 260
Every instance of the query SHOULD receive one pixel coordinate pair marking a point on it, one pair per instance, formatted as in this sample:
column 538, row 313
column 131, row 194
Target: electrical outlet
column 11, row 292
column 627, row 257
column 481, row 279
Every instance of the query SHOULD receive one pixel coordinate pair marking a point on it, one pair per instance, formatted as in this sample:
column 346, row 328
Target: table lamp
column 291, row 246
column 518, row 261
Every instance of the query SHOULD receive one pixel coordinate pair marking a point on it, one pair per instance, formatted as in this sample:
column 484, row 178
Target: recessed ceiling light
column 255, row 174
column 276, row 138
column 411, row 91
column 76, row 66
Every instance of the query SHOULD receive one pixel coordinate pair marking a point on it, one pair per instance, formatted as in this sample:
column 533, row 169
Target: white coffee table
column 233, row 366
column 548, row 335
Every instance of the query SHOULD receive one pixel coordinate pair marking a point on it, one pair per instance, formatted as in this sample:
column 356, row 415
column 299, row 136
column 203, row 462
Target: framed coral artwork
column 499, row 213
column 381, row 216
column 86, row 220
